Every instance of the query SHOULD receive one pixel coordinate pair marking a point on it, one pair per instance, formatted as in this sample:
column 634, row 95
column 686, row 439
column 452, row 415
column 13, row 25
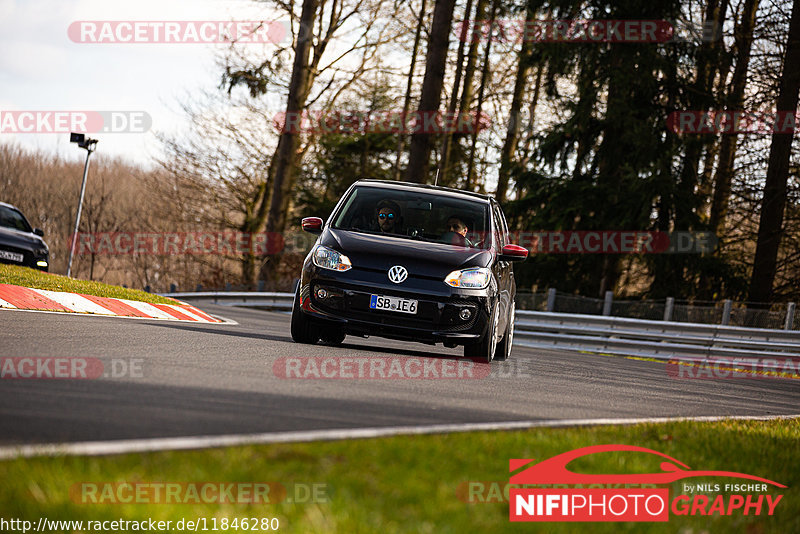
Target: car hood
column 370, row 251
column 15, row 238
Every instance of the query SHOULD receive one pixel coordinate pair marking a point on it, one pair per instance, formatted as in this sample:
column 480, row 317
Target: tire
column 485, row 349
column 333, row 336
column 302, row 329
column 504, row 347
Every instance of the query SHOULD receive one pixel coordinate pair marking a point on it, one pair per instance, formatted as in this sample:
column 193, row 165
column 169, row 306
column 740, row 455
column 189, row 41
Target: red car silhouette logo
column 554, row 470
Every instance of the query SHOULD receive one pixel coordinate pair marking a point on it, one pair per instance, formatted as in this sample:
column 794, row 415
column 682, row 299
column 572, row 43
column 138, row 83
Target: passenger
column 456, row 233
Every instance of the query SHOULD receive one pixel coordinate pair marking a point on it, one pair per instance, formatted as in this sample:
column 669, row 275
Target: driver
column 388, row 214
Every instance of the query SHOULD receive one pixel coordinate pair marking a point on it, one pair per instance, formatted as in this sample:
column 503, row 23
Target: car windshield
column 10, row 218
column 415, row 215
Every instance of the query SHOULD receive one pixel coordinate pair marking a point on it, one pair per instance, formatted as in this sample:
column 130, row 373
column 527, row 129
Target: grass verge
column 27, row 277
column 415, row 483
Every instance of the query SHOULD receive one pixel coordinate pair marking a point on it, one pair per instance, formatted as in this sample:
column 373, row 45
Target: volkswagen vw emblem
column 398, row 274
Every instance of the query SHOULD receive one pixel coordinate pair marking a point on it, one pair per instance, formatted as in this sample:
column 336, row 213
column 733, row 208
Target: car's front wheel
column 333, row 336
column 302, row 329
column 486, row 348
column 504, row 347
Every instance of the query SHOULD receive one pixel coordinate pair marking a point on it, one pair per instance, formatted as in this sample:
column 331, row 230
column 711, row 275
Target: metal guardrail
column 666, row 340
column 247, row 299
column 655, row 339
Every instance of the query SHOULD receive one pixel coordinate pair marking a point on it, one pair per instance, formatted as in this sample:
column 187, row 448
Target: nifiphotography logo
column 610, row 497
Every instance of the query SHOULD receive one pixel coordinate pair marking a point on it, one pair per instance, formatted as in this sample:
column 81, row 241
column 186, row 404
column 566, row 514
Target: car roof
column 410, row 186
column 9, row 206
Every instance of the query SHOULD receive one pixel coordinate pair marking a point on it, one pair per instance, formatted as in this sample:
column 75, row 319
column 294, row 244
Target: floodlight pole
column 89, row 145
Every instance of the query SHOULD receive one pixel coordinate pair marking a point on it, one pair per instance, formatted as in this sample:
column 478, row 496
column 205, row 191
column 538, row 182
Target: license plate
column 13, row 256
column 396, row 304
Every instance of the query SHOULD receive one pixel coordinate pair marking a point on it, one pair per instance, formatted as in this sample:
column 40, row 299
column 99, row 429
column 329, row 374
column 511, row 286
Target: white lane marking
column 125, row 446
column 74, row 302
column 4, row 304
column 147, row 309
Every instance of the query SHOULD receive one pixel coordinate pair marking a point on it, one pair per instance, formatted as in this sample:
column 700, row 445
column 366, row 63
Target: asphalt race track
column 200, row 380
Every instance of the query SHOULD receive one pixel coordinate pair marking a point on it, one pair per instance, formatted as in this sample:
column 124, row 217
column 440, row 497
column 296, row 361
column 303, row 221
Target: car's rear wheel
column 302, row 329
column 504, row 347
column 486, row 348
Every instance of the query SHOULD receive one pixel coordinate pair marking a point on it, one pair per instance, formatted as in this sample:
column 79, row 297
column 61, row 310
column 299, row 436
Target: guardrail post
column 726, row 312
column 551, row 299
column 173, row 288
column 668, row 308
column 789, row 324
column 261, row 285
column 607, row 303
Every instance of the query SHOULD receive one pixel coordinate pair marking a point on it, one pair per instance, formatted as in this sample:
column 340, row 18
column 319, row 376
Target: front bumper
column 31, row 258
column 438, row 318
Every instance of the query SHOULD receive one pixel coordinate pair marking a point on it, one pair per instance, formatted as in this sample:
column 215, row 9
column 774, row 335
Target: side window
column 506, row 237
column 500, row 227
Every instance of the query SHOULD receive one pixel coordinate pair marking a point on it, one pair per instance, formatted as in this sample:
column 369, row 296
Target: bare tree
column 409, row 84
column 770, row 226
column 465, row 99
column 430, row 97
column 512, row 133
column 735, row 99
column 485, row 73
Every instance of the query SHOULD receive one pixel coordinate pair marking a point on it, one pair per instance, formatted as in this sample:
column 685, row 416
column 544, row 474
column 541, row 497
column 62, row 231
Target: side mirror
column 513, row 253
column 312, row 224
column 39, row 232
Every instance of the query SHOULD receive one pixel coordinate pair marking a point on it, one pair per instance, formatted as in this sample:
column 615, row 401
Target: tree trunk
column 451, row 106
column 284, row 161
column 534, row 101
column 485, row 71
column 401, row 136
column 430, row 97
column 735, row 101
column 703, row 98
column 512, row 133
column 771, row 221
column 465, row 101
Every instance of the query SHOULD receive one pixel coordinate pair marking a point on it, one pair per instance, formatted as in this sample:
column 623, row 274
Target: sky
column 42, row 69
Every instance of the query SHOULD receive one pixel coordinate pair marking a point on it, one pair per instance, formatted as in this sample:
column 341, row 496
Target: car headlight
column 475, row 278
column 330, row 259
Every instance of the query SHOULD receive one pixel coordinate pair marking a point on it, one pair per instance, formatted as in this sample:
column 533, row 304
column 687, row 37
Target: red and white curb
column 25, row 298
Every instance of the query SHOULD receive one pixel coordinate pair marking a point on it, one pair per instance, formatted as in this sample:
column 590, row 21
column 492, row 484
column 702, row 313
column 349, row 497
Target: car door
column 502, row 268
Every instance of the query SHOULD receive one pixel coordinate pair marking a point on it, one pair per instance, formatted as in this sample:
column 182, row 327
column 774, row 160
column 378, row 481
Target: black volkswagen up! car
column 410, row 262
column 20, row 243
